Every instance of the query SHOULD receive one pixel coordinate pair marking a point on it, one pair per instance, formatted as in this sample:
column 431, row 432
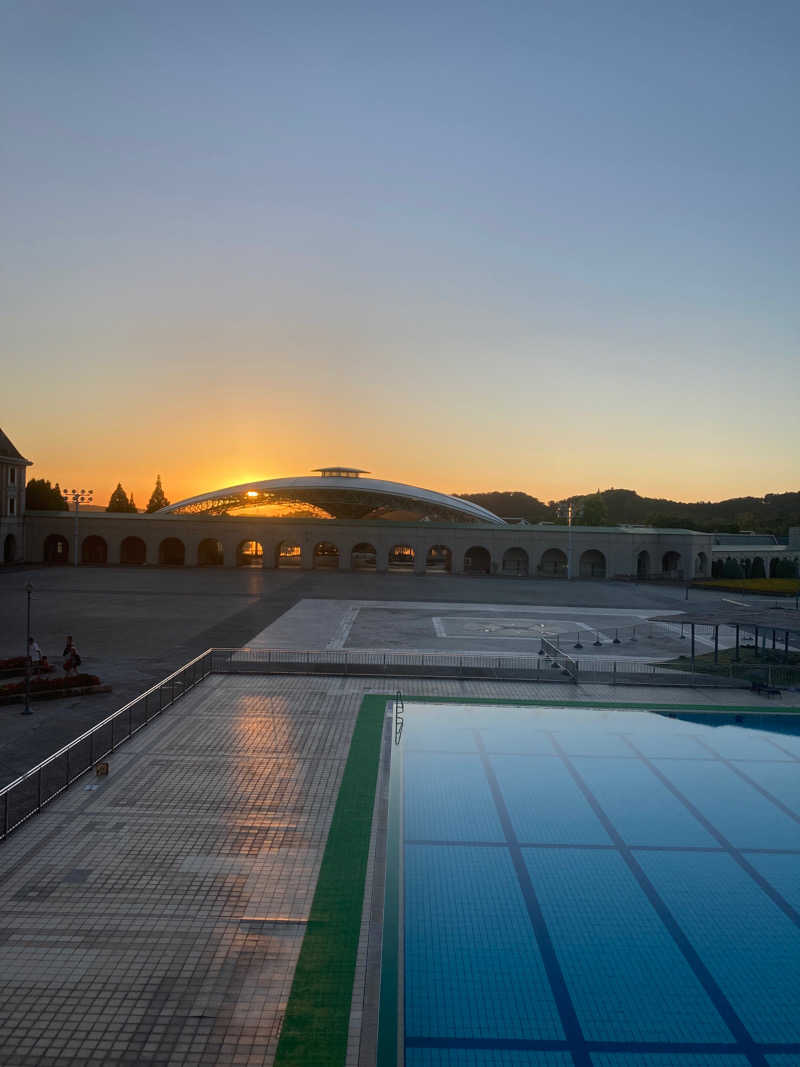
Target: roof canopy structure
column 336, row 493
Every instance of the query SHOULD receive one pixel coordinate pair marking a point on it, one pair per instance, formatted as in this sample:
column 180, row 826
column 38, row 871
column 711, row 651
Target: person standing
column 34, row 653
column 71, row 658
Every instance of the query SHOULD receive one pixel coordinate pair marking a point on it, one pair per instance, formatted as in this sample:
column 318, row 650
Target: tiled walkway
column 155, row 917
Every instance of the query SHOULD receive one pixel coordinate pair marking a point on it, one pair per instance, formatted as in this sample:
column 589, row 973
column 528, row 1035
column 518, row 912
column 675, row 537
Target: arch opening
column 56, row 549
column 439, row 559
column 671, row 564
column 477, row 560
column 701, row 566
column 172, row 552
column 643, row 564
column 326, row 556
column 288, row 554
column 592, row 564
column 250, row 554
column 363, row 557
column 94, row 550
column 133, row 551
column 516, row 562
column 9, row 549
column 553, row 563
column 210, row 553
column 401, row 558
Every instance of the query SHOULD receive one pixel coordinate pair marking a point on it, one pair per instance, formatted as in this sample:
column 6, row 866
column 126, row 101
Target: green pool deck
column 212, row 900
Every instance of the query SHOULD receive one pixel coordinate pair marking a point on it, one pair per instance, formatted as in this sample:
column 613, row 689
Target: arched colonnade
column 413, row 556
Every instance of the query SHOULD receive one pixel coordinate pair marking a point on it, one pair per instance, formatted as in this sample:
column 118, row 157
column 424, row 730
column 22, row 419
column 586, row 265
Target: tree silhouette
column 40, row 495
column 119, row 500
column 158, row 499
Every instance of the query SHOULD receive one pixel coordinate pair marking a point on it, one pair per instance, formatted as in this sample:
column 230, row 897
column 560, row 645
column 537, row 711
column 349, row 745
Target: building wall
column 620, row 548
column 12, row 509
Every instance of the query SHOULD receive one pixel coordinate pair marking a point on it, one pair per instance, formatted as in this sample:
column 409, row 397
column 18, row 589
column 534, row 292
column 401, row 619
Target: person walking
column 34, row 653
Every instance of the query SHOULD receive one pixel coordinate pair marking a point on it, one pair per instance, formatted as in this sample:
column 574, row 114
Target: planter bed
column 19, row 672
column 54, row 694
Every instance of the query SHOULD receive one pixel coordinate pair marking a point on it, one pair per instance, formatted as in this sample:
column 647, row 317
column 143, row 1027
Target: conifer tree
column 119, row 500
column 158, row 498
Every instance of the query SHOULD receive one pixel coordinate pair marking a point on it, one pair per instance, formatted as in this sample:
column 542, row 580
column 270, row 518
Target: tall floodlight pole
column 78, row 497
column 27, row 709
column 569, row 540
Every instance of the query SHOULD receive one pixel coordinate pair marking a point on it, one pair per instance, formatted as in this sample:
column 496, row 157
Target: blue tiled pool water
column 591, row 887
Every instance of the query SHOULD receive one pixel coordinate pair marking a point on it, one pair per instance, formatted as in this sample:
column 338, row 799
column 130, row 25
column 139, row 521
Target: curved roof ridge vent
column 339, row 472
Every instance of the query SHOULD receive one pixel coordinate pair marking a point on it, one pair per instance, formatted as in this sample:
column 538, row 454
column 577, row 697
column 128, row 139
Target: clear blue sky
column 547, row 246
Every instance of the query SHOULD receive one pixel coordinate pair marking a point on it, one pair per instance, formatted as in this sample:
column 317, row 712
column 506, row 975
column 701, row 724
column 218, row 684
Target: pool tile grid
column 749, row 1050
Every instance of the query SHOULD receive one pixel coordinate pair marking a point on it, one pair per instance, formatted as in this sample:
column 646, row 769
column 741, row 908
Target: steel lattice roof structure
column 336, row 493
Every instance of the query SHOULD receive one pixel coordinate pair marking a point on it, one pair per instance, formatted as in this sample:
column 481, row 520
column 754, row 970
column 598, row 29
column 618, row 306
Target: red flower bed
column 39, row 685
column 14, row 662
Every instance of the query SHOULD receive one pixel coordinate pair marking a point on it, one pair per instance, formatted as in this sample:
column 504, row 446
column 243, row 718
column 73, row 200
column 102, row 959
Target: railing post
column 130, row 721
column 39, row 790
column 5, row 814
column 614, row 673
column 66, row 783
column 91, row 749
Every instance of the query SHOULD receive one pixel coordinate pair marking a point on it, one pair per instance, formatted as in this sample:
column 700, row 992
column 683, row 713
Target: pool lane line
column 676, row 1048
column 316, row 1023
column 555, row 976
column 735, row 853
column 594, row 847
column 751, row 781
column 744, row 1039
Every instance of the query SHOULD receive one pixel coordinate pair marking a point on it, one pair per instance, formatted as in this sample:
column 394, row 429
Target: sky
column 540, row 246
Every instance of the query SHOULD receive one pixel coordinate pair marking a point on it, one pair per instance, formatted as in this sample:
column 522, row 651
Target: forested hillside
column 773, row 513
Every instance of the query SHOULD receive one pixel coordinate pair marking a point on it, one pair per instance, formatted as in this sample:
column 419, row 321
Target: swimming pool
column 604, row 888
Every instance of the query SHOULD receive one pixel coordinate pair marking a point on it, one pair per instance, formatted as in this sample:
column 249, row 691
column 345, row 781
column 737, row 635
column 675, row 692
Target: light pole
column 27, row 709
column 78, row 497
column 569, row 541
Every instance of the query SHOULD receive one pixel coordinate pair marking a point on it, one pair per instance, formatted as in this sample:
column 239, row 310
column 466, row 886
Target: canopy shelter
column 780, row 623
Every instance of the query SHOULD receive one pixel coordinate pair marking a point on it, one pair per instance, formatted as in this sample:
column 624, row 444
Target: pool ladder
column 399, row 716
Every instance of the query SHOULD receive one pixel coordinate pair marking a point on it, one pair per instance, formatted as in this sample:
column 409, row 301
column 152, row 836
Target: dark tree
column 119, row 500
column 593, row 511
column 40, row 495
column 158, row 498
column 731, row 569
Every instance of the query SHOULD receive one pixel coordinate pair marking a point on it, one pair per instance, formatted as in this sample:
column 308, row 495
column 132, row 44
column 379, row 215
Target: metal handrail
column 104, row 722
column 28, row 794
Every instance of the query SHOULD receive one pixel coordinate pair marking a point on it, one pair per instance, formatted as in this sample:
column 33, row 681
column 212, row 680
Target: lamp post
column 78, row 497
column 27, row 709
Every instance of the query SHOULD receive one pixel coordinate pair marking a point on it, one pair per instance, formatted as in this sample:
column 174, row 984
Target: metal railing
column 27, row 795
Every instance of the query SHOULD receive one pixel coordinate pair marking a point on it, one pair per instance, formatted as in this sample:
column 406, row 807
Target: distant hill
column 773, row 513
